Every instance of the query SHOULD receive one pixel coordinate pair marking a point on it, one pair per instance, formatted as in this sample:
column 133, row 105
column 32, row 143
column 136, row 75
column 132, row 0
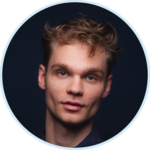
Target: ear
column 107, row 86
column 41, row 77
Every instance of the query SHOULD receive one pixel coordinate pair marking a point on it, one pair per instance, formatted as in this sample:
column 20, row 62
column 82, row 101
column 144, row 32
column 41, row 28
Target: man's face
column 74, row 82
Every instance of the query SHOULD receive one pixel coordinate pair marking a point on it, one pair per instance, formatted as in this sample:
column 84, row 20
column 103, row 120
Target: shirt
column 91, row 139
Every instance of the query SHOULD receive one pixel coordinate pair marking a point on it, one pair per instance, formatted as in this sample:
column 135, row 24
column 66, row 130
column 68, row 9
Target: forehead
column 76, row 56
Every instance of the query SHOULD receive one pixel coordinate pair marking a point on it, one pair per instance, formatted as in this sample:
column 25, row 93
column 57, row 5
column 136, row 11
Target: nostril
column 75, row 93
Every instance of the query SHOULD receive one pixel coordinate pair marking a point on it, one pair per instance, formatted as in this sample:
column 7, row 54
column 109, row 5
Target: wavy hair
column 84, row 30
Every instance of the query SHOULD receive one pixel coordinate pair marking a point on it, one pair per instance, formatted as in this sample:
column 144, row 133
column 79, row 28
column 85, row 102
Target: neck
column 60, row 134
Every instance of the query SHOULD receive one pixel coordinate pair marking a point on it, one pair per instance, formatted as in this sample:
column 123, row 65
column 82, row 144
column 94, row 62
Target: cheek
column 54, row 88
column 95, row 92
column 94, row 95
column 93, row 105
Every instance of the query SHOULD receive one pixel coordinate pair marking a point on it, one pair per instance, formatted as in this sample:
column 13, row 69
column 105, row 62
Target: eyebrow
column 88, row 70
column 59, row 65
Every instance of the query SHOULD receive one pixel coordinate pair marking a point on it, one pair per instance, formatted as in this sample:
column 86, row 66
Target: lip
column 72, row 106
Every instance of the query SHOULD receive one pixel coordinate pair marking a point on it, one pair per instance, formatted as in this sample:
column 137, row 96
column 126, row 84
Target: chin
column 74, row 123
column 71, row 120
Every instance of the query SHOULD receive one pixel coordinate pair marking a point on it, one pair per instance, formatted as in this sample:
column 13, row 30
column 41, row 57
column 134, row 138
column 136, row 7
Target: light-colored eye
column 91, row 78
column 62, row 73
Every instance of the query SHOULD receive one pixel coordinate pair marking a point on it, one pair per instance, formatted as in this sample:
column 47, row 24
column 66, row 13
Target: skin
column 75, row 77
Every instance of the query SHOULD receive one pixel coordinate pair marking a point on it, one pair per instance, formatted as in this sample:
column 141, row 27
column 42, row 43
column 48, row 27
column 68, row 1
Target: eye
column 62, row 73
column 91, row 78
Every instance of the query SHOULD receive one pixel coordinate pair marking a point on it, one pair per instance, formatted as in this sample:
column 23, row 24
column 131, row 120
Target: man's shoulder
column 92, row 139
column 41, row 135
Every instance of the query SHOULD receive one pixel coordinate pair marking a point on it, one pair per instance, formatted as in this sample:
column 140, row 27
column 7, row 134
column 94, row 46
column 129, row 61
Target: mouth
column 72, row 106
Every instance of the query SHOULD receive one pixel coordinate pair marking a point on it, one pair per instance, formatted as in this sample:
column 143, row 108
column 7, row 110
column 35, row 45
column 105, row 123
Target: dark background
column 24, row 54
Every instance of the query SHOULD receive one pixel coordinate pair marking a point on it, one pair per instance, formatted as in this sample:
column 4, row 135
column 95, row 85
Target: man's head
column 78, row 56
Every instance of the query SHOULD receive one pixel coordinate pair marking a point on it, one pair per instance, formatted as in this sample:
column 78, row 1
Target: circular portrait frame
column 64, row 2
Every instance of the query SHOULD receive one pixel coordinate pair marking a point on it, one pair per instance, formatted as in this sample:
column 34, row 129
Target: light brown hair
column 86, row 31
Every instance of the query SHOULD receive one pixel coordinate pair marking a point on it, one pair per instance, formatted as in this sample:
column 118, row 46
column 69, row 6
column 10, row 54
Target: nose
column 75, row 87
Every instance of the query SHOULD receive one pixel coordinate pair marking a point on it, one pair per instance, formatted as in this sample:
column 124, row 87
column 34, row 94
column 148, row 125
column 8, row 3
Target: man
column 78, row 57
